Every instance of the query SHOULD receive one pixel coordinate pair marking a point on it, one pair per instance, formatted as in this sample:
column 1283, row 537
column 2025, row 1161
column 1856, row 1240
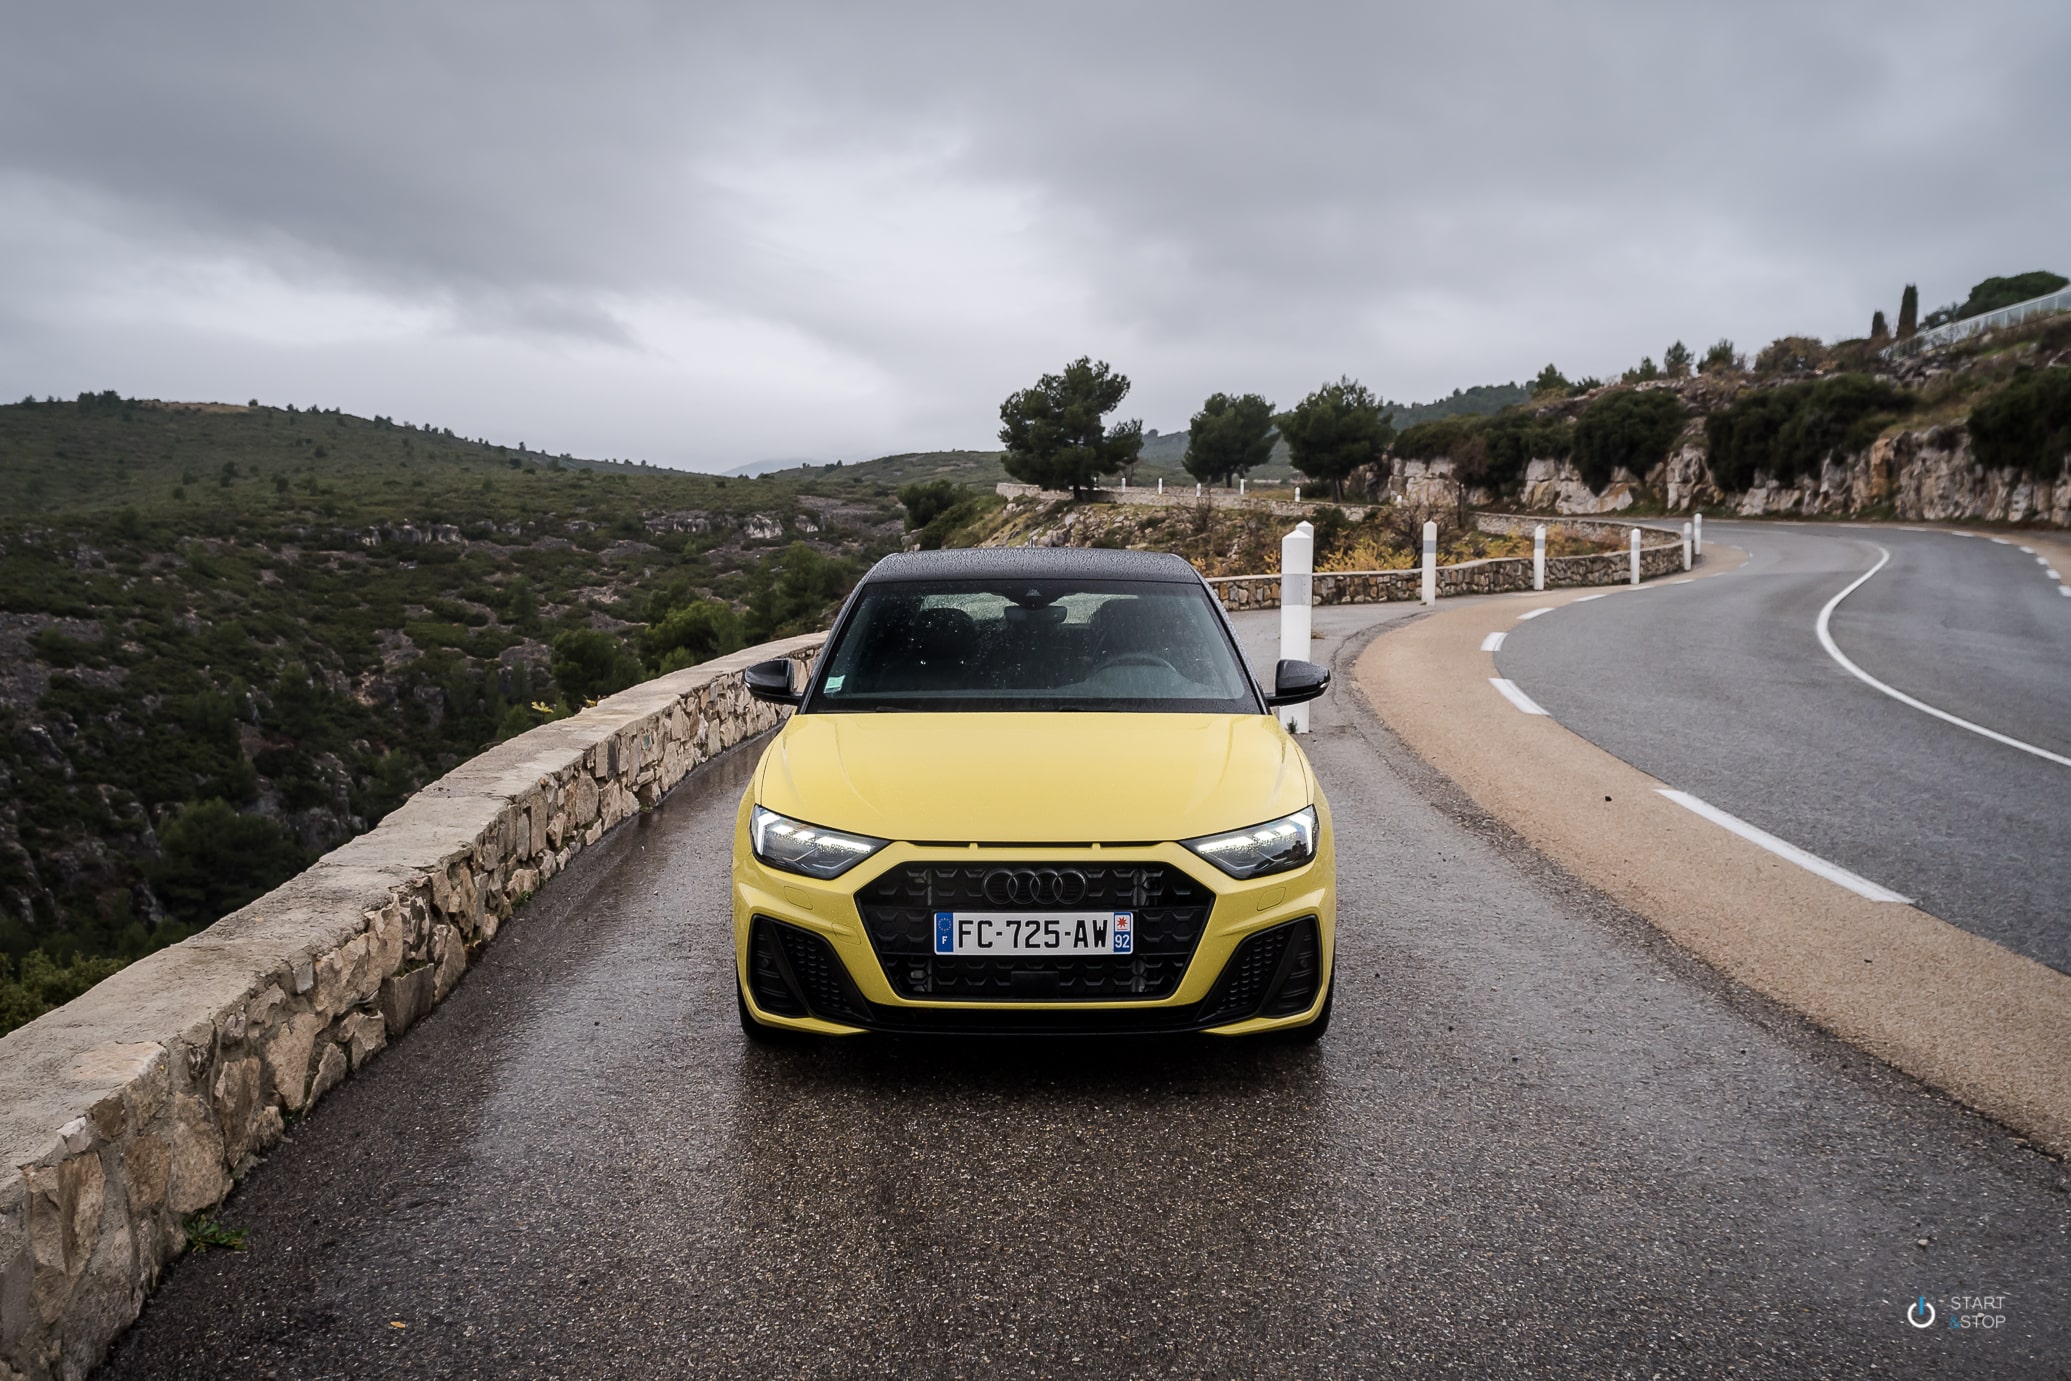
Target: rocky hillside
column 232, row 637
column 1976, row 430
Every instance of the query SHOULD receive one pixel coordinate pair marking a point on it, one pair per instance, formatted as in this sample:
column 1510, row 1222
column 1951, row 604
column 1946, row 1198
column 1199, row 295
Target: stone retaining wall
column 140, row 1103
column 1661, row 552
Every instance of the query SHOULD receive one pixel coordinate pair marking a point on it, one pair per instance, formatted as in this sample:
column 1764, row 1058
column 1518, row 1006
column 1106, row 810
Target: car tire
column 1313, row 1032
column 775, row 1037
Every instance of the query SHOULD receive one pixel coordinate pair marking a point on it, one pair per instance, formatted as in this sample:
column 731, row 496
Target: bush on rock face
column 1790, row 431
column 214, row 859
column 2026, row 425
column 1629, row 429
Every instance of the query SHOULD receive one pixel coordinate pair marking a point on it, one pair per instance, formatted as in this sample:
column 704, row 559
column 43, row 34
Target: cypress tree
column 1878, row 330
column 1909, row 311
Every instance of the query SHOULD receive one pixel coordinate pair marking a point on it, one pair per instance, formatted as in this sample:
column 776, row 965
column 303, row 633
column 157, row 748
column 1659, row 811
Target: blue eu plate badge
column 945, row 932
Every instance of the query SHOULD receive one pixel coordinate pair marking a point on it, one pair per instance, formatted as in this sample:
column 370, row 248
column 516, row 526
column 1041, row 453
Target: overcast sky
column 702, row 235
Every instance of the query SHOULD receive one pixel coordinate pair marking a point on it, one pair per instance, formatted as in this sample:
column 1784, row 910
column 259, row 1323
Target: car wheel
column 760, row 1033
column 1313, row 1032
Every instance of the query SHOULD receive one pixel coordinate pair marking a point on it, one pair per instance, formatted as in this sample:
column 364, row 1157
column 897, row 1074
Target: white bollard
column 1197, row 489
column 1430, row 563
column 1686, row 546
column 1161, row 485
column 1697, row 534
column 1539, row 557
column 1297, row 493
column 1635, row 556
column 1240, row 486
column 1297, row 595
column 1125, row 481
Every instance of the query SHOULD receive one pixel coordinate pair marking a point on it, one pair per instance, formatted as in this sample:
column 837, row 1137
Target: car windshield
column 1034, row 644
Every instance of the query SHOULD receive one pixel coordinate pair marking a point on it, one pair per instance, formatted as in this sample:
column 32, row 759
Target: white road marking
column 1515, row 696
column 1534, row 613
column 2029, row 550
column 2051, row 572
column 1826, row 640
column 1811, row 863
column 2064, row 589
column 1586, row 598
column 1492, row 643
column 2002, row 541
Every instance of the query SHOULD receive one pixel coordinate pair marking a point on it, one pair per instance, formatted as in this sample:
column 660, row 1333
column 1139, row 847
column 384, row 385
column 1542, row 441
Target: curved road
column 1537, row 1140
column 1721, row 688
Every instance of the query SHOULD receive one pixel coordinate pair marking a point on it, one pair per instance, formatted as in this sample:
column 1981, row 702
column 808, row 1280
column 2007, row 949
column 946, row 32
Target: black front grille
column 794, row 971
column 898, row 909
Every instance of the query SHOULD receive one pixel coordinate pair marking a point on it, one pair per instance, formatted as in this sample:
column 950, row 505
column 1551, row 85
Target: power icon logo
column 1920, row 1313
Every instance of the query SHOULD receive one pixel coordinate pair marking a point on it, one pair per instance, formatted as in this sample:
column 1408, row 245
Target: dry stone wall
column 139, row 1104
column 1661, row 552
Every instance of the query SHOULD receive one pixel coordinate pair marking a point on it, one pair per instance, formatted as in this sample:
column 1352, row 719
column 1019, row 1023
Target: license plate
column 1035, row 933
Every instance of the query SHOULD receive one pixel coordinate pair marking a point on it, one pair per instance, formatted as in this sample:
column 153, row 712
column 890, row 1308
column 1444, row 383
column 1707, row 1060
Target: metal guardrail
column 2049, row 303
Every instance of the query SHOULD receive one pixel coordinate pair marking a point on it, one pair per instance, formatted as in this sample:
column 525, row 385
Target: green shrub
column 589, row 664
column 1790, row 431
column 696, row 632
column 1632, row 429
column 212, row 860
column 1994, row 293
column 925, row 500
column 39, row 983
column 2027, row 424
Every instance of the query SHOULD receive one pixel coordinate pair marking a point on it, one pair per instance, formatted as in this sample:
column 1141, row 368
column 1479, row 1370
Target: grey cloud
column 1211, row 195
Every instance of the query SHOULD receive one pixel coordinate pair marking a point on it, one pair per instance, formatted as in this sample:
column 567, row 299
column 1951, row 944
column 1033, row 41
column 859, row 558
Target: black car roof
column 1015, row 563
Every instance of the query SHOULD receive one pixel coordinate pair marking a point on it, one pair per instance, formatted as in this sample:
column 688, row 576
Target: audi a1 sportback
column 1028, row 791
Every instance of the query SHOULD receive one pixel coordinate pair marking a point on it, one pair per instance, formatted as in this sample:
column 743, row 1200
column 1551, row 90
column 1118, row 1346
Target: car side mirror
column 1294, row 682
column 771, row 681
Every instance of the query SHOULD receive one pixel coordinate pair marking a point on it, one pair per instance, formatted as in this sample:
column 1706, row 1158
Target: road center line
column 1515, row 696
column 1493, row 642
column 1811, row 863
column 1826, row 640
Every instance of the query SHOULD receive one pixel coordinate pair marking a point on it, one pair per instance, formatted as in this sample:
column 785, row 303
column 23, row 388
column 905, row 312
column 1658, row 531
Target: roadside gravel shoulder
column 1986, row 1025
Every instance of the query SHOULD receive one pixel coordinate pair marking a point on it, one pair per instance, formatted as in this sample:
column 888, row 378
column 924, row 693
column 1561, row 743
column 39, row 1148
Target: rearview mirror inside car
column 1294, row 682
column 771, row 681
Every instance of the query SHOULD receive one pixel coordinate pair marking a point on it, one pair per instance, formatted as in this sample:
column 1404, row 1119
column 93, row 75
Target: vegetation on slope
column 231, row 638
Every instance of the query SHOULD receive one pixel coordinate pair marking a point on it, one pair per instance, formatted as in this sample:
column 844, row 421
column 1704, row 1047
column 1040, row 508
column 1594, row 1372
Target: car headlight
column 1273, row 847
column 797, row 847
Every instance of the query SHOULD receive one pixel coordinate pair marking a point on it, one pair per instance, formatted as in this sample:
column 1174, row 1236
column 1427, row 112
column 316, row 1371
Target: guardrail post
column 1686, row 546
column 1635, row 556
column 1297, row 596
column 1430, row 563
column 1539, row 557
column 1697, row 534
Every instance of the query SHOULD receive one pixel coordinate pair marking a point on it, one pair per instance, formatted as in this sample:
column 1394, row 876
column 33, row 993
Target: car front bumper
column 806, row 961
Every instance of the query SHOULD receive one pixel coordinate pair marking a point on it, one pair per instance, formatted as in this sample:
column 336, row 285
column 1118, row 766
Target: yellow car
column 1033, row 791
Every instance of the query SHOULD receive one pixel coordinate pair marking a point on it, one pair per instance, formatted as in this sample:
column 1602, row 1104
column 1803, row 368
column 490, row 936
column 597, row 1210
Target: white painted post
column 1161, row 484
column 1635, row 556
column 1240, row 486
column 1430, row 563
column 1297, row 596
column 1539, row 557
column 1197, row 489
column 1297, row 493
column 1697, row 534
column 1125, row 481
column 1686, row 546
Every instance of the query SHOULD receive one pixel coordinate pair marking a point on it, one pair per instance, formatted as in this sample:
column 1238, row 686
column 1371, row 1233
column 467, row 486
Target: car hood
column 1033, row 778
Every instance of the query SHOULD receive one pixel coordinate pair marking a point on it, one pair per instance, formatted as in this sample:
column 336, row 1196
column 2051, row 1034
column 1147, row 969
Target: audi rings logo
column 1035, row 887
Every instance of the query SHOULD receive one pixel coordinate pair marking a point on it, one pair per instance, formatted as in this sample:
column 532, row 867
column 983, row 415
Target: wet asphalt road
column 1721, row 688
column 1537, row 1141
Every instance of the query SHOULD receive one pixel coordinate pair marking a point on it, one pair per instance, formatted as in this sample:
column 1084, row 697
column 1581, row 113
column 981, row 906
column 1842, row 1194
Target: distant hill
column 1480, row 401
column 771, row 467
